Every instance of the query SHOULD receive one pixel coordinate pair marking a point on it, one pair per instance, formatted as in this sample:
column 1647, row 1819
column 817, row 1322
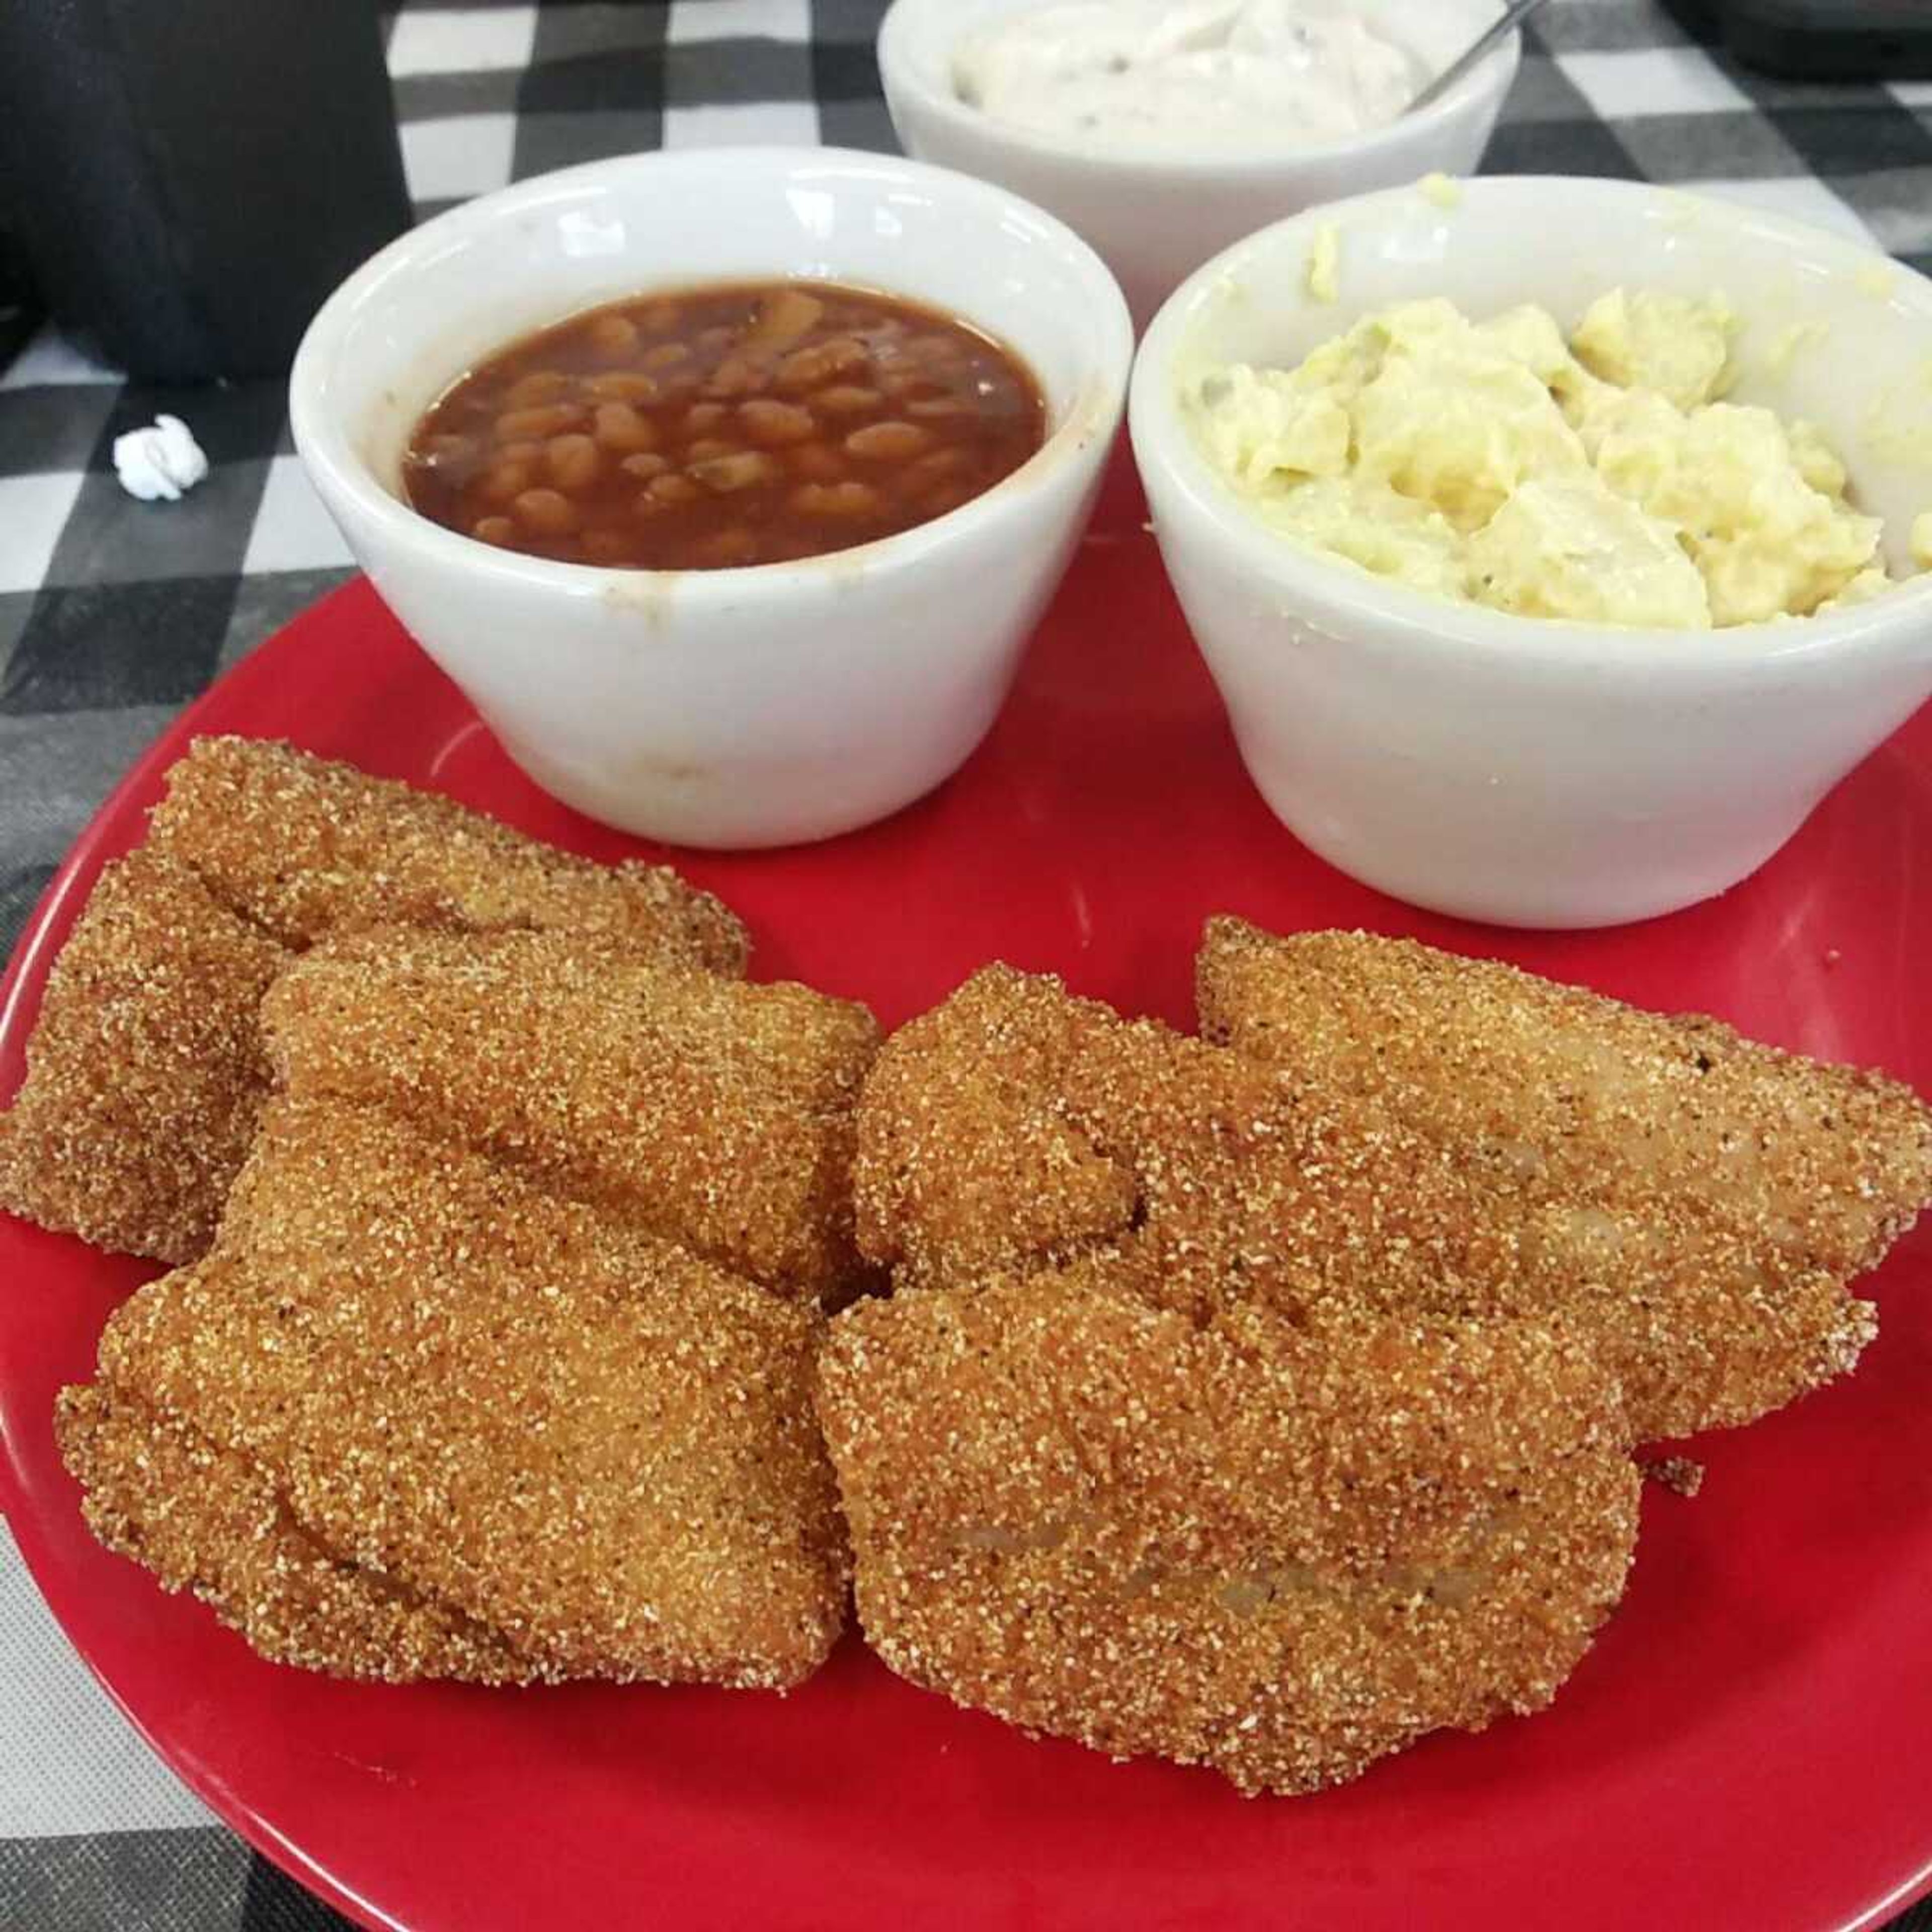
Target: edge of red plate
column 41, row 937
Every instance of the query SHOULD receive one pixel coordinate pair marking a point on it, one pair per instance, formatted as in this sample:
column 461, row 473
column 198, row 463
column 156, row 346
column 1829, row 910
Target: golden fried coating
column 1015, row 1126
column 710, row 1112
column 1281, row 1554
column 302, row 846
column 207, row 1521
column 1716, row 1194
column 588, row 1442
column 1681, row 1475
column 146, row 1071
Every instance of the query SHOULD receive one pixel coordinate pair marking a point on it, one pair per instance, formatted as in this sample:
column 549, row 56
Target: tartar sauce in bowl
column 1195, row 74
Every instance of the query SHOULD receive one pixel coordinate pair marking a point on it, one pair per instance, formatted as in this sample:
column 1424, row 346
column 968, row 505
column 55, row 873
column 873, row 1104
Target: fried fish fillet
column 708, row 1111
column 1281, row 1554
column 1015, row 1126
column 1720, row 1193
column 146, row 1070
column 303, row 846
column 535, row 1422
column 204, row 1520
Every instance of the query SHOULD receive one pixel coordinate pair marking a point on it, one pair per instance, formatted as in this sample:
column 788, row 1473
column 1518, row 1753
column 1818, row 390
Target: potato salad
column 1604, row 479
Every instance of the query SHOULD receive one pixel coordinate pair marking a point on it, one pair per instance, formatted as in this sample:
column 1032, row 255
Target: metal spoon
column 1512, row 15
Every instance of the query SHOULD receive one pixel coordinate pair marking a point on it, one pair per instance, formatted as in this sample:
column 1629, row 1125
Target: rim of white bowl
column 323, row 442
column 1493, row 74
column 1333, row 588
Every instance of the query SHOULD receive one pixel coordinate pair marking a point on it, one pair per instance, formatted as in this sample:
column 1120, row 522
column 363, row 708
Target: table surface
column 114, row 614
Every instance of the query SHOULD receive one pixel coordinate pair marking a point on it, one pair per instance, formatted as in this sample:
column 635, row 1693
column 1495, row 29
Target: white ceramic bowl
column 1157, row 217
column 1505, row 768
column 744, row 707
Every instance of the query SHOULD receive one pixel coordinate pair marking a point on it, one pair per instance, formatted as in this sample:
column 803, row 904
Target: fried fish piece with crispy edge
column 1722, row 1193
column 146, row 1070
column 1014, row 1125
column 586, row 1440
column 709, row 1112
column 303, row 846
column 207, row 1521
column 1281, row 1554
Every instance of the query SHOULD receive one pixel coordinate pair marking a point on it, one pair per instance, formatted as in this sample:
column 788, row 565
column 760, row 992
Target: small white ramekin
column 1156, row 217
column 1508, row 768
column 723, row 708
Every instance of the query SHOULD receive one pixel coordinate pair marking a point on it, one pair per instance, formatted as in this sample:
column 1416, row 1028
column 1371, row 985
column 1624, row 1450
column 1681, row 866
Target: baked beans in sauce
column 713, row 427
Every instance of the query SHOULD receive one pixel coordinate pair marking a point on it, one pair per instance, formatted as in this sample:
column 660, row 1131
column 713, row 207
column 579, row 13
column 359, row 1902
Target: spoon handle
column 1512, row 16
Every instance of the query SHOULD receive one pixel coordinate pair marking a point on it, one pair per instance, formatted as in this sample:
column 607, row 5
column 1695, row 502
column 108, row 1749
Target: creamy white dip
column 1211, row 74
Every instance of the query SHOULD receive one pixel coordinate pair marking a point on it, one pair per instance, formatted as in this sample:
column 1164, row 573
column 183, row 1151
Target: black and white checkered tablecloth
column 114, row 614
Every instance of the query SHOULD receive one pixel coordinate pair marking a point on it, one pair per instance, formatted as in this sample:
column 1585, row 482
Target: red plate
column 1746, row 1745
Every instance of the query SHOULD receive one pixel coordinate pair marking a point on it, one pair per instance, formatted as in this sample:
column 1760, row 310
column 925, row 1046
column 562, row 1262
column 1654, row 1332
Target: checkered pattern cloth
column 114, row 614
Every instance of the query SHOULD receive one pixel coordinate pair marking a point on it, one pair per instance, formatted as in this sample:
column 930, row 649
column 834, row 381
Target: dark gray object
column 188, row 179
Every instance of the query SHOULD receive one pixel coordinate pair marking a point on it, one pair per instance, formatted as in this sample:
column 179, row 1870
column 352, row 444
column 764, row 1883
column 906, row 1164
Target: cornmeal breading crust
column 1284, row 1555
column 520, row 1412
column 145, row 1071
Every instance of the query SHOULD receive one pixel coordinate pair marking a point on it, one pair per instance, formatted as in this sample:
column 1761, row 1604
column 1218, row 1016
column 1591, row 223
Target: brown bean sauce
column 711, row 427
